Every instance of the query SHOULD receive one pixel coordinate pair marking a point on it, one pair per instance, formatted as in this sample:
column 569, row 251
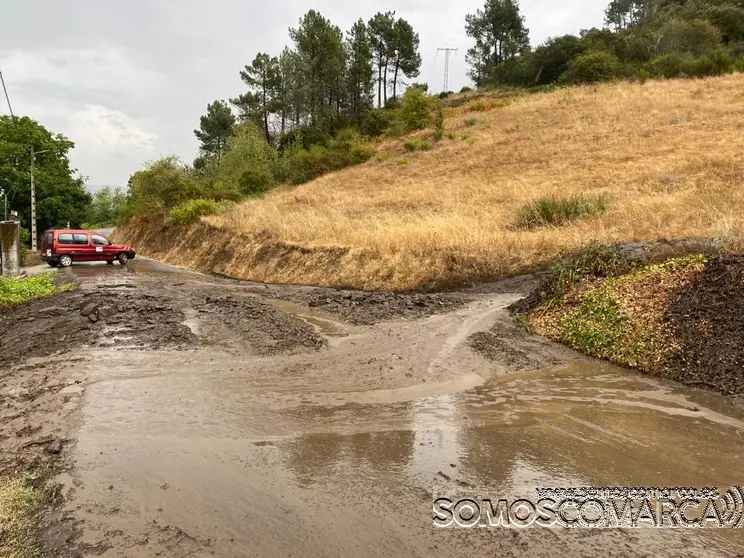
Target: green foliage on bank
column 15, row 290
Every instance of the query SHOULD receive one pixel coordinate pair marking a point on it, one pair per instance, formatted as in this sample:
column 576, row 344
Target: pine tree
column 405, row 57
column 263, row 79
column 382, row 34
column 215, row 127
column 500, row 35
column 359, row 73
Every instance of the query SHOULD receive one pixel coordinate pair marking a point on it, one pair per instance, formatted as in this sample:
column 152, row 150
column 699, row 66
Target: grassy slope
column 682, row 319
column 669, row 155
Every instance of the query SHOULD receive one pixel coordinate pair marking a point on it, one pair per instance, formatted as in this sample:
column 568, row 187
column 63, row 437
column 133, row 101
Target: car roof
column 86, row 231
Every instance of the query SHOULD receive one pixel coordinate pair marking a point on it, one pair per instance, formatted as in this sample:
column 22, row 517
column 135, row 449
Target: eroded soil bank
column 681, row 319
column 188, row 415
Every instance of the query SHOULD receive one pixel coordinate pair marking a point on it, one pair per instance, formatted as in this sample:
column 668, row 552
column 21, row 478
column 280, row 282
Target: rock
column 346, row 296
column 54, row 447
column 93, row 318
column 88, row 309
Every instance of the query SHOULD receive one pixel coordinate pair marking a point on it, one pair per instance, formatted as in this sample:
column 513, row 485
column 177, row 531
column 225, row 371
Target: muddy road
column 197, row 416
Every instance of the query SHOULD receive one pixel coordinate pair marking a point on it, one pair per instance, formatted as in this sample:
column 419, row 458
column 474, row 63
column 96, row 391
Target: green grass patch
column 20, row 501
column 470, row 122
column 559, row 211
column 19, row 290
column 190, row 211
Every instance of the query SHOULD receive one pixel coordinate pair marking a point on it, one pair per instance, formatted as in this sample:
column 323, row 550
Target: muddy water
column 340, row 453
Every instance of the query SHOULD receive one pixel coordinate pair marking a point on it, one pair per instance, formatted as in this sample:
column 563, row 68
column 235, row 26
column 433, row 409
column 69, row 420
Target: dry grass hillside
column 669, row 155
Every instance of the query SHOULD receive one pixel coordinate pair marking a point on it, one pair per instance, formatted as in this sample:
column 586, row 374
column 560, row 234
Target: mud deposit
column 191, row 416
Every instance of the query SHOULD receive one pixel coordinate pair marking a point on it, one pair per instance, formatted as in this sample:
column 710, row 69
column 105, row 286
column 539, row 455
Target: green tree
column 263, row 78
column 693, row 37
column 319, row 45
column 108, row 207
column 162, row 185
column 405, row 57
column 729, row 20
column 553, row 57
column 382, row 33
column 61, row 196
column 249, row 164
column 359, row 73
column 500, row 35
column 215, row 128
column 593, row 67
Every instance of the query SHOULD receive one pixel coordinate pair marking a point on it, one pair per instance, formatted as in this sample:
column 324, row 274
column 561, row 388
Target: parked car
column 62, row 247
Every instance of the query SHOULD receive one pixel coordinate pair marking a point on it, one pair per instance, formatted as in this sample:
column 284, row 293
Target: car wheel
column 123, row 259
column 65, row 261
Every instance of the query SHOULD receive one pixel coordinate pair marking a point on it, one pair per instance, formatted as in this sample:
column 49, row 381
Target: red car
column 62, row 247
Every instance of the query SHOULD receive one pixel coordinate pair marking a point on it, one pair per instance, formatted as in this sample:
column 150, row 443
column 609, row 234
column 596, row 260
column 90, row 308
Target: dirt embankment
column 682, row 319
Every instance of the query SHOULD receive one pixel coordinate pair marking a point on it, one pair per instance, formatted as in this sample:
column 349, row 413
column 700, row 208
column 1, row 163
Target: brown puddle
column 210, row 455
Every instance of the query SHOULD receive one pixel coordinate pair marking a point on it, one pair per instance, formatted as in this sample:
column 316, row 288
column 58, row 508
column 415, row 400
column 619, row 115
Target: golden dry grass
column 668, row 154
column 19, row 504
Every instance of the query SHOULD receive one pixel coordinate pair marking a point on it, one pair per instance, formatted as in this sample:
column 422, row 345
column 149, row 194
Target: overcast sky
column 127, row 80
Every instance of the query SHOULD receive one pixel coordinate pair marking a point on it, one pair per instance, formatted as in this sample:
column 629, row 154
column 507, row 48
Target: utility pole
column 447, row 53
column 33, row 201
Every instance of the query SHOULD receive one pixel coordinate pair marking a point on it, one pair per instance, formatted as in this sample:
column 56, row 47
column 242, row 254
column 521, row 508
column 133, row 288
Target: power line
column 7, row 98
column 447, row 53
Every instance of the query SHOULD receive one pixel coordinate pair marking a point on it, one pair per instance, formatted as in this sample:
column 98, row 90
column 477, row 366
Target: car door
column 83, row 250
column 103, row 247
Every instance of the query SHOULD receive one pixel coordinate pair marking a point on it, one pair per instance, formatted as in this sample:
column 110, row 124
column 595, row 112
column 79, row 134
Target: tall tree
column 405, row 57
column 500, row 35
column 382, row 34
column 319, row 46
column 60, row 191
column 359, row 73
column 215, row 128
column 263, row 79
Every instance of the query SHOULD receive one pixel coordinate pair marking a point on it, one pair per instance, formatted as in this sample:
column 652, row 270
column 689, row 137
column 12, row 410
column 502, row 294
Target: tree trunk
column 395, row 78
column 385, row 82
column 379, row 81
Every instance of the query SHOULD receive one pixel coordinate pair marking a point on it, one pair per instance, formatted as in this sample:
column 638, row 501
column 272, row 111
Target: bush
column 698, row 67
column 444, row 94
column 466, row 89
column 729, row 20
column 470, row 122
column 415, row 110
column 189, row 212
column 248, row 167
column 411, row 146
column 304, row 136
column 424, row 145
column 376, row 122
column 643, row 76
column 162, row 184
column 593, row 67
column 693, row 37
column 667, row 66
column 346, row 149
column 439, row 123
column 559, row 211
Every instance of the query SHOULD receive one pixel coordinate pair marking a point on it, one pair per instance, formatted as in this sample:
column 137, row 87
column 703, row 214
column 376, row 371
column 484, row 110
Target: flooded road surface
column 341, row 450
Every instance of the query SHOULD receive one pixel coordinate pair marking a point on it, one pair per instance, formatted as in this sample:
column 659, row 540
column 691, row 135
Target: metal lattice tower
column 447, row 53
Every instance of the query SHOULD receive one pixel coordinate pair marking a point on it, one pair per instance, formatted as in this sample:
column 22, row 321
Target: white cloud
column 103, row 131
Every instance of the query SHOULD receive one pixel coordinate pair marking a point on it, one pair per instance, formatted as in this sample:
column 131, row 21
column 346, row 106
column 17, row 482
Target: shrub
column 693, row 37
column 424, row 145
column 444, row 94
column 411, row 146
column 344, row 150
column 593, row 67
column 439, row 123
column 559, row 211
column 470, row 122
column 729, row 20
column 304, row 136
column 643, row 76
column 248, row 165
column 451, row 136
column 666, row 66
column 466, row 89
column 162, row 184
column 189, row 212
column 415, row 110
column 698, row 67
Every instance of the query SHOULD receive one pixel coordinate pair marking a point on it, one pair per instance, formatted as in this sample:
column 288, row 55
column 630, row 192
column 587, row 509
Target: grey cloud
column 131, row 78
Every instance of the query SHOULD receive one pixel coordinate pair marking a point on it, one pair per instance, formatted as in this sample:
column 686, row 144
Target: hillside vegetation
column 666, row 158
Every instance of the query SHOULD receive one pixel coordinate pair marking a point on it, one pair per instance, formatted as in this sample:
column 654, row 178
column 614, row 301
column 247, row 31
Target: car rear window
column 49, row 238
